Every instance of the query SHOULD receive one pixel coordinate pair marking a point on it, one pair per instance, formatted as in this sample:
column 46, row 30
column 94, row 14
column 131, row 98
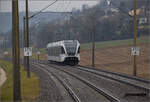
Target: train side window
column 50, row 51
column 62, row 50
column 79, row 50
column 56, row 51
column 59, row 50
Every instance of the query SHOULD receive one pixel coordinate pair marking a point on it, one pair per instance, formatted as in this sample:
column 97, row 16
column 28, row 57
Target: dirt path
column 2, row 76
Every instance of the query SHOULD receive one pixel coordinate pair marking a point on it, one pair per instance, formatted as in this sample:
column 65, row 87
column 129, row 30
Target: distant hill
column 6, row 20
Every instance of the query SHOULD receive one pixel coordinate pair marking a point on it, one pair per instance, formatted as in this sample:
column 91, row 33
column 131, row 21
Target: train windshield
column 71, row 48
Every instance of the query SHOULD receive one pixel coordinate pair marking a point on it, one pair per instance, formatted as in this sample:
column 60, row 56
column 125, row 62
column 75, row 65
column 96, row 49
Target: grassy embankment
column 42, row 55
column 115, row 43
column 116, row 56
column 34, row 53
column 29, row 86
column 112, row 55
column 104, row 44
column 87, row 46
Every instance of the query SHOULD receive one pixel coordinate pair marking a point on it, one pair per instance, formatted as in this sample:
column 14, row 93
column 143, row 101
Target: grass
column 104, row 44
column 29, row 86
column 87, row 46
column 42, row 53
column 114, row 43
column 34, row 53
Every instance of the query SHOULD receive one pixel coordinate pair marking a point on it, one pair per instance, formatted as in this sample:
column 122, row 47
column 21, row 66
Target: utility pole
column 27, row 40
column 16, row 52
column 93, row 47
column 135, row 39
column 93, row 22
column 38, row 54
column 24, row 33
column 38, row 57
column 147, row 9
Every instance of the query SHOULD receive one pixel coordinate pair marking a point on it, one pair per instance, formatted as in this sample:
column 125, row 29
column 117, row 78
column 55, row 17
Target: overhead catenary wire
column 43, row 9
column 65, row 5
column 26, row 39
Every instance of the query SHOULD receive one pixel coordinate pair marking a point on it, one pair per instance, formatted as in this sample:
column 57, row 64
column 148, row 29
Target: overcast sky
column 36, row 5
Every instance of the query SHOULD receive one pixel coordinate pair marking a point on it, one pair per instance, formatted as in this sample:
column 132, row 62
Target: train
column 65, row 51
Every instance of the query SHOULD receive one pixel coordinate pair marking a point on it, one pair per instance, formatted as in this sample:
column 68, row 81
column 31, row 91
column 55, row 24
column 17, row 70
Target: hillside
column 42, row 18
column 117, row 58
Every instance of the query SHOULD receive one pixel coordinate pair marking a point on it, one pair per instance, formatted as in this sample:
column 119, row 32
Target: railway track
column 126, row 79
column 129, row 80
column 49, row 68
column 66, row 86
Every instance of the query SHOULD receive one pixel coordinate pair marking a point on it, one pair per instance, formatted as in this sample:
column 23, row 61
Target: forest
column 103, row 22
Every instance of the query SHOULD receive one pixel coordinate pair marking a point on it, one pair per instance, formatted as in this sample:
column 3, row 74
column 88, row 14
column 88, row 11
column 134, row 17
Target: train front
column 72, row 49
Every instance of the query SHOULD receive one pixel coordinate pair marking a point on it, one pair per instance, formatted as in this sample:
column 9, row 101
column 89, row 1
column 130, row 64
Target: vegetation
column 82, row 25
column 114, row 43
column 86, row 46
column 29, row 86
column 106, row 22
column 103, row 44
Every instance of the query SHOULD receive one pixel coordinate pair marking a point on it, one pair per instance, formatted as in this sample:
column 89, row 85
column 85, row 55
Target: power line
column 16, row 52
column 26, row 34
column 43, row 9
column 51, row 0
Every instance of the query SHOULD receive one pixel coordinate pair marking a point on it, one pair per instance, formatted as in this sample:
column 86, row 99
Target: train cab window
column 79, row 50
column 62, row 50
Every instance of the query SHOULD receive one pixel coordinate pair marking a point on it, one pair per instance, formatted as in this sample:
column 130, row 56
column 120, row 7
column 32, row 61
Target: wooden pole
column 135, row 39
column 16, row 52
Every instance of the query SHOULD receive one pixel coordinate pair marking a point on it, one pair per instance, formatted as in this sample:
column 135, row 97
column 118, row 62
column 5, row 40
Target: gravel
column 114, row 87
column 50, row 89
column 84, row 92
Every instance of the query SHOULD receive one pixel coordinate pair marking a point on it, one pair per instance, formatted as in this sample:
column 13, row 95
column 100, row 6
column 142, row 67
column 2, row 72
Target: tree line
column 105, row 22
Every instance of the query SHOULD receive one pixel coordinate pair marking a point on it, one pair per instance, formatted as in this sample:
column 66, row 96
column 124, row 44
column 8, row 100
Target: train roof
column 61, row 43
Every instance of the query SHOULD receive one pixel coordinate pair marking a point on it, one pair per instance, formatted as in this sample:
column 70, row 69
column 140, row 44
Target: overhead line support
column 27, row 41
column 135, row 39
column 16, row 52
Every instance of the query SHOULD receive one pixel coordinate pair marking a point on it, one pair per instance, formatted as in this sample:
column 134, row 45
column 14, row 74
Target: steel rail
column 115, row 73
column 114, row 76
column 67, row 87
column 111, row 74
column 101, row 91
